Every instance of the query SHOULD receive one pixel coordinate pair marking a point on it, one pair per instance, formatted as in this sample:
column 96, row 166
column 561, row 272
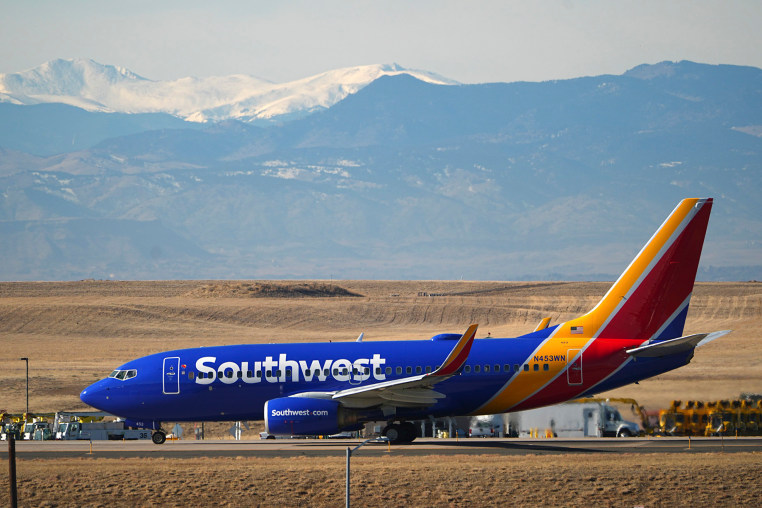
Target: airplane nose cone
column 95, row 395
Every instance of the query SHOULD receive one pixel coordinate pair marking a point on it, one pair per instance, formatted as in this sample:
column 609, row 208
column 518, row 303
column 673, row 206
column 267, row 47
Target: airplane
column 633, row 333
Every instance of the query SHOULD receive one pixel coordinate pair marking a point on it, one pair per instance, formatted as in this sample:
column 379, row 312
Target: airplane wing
column 673, row 346
column 413, row 391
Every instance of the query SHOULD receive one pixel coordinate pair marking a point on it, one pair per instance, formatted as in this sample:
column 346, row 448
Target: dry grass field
column 487, row 480
column 77, row 332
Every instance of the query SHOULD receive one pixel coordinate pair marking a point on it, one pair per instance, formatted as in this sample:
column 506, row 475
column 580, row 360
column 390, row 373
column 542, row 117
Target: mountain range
column 372, row 172
column 106, row 88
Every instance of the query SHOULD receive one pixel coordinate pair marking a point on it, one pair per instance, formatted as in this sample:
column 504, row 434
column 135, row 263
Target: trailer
column 99, row 431
column 572, row 419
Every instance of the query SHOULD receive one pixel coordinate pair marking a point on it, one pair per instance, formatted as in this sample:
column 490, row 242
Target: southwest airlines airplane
column 633, row 333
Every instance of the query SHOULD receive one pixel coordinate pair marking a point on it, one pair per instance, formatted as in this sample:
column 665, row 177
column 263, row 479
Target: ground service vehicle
column 486, row 426
column 37, row 430
column 672, row 420
column 99, row 430
column 572, row 419
column 325, row 388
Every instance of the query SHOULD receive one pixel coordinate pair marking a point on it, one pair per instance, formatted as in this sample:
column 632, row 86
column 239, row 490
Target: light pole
column 27, row 383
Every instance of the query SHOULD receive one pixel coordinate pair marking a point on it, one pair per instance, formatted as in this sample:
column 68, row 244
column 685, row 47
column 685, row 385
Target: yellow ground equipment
column 672, row 419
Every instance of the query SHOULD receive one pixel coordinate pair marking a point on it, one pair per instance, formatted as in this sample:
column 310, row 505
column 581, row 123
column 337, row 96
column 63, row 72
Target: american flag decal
column 577, row 329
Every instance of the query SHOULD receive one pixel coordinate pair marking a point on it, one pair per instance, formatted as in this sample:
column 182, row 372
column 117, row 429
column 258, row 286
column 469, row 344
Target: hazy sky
column 469, row 41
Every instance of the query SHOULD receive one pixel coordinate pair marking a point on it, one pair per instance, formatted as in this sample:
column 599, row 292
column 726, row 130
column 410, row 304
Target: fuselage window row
column 355, row 371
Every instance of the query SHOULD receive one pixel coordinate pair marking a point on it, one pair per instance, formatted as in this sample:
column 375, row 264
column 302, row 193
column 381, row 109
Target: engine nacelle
column 294, row 416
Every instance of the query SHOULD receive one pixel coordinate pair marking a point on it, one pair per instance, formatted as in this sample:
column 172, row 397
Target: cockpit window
column 123, row 374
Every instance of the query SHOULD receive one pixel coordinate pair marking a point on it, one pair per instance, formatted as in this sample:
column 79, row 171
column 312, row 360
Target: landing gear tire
column 624, row 433
column 159, row 437
column 408, row 432
column 393, row 433
column 400, row 432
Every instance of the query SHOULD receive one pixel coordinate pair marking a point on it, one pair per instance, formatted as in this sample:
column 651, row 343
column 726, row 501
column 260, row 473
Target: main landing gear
column 159, row 437
column 403, row 432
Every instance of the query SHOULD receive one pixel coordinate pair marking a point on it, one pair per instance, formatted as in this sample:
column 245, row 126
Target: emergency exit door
column 172, row 375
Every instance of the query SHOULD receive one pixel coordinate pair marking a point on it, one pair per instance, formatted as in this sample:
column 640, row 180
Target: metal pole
column 27, row 383
column 12, row 469
column 349, row 454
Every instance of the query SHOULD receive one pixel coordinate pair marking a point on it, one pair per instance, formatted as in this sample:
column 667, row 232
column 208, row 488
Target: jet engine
column 294, row 416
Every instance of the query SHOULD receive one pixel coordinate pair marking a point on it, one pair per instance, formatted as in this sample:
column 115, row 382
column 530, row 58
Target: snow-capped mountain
column 95, row 87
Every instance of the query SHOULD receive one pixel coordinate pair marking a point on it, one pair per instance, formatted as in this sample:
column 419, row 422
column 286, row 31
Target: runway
column 421, row 447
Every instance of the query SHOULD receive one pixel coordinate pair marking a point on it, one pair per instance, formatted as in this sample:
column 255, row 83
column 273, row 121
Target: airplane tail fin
column 650, row 299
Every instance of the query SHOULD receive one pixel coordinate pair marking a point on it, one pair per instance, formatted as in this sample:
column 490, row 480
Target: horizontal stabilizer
column 675, row 346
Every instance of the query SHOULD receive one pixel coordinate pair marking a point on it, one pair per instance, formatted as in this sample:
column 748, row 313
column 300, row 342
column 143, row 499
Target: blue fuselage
column 234, row 382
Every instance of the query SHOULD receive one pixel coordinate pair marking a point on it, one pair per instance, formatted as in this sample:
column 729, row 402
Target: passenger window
column 378, row 370
column 220, row 374
column 191, row 375
column 545, row 366
column 269, row 373
column 467, row 369
column 335, row 372
column 388, row 371
column 507, row 367
column 399, row 370
column 428, row 369
column 477, row 368
column 367, row 370
column 516, row 367
column 486, row 368
column 248, row 373
column 278, row 373
column 497, row 368
column 230, row 374
column 240, row 374
column 326, row 372
column 409, row 370
column 536, row 367
column 418, row 370
column 526, row 367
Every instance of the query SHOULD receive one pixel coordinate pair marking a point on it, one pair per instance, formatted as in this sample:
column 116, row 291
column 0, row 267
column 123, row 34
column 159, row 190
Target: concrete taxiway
column 421, row 447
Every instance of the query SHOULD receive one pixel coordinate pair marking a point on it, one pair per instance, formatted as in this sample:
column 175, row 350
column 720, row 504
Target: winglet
column 458, row 355
column 543, row 324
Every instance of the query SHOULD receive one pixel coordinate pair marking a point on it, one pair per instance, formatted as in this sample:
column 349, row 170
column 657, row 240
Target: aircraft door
column 574, row 366
column 171, row 385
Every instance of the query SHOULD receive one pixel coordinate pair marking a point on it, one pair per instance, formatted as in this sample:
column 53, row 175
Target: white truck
column 572, row 419
column 99, row 431
column 486, row 426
